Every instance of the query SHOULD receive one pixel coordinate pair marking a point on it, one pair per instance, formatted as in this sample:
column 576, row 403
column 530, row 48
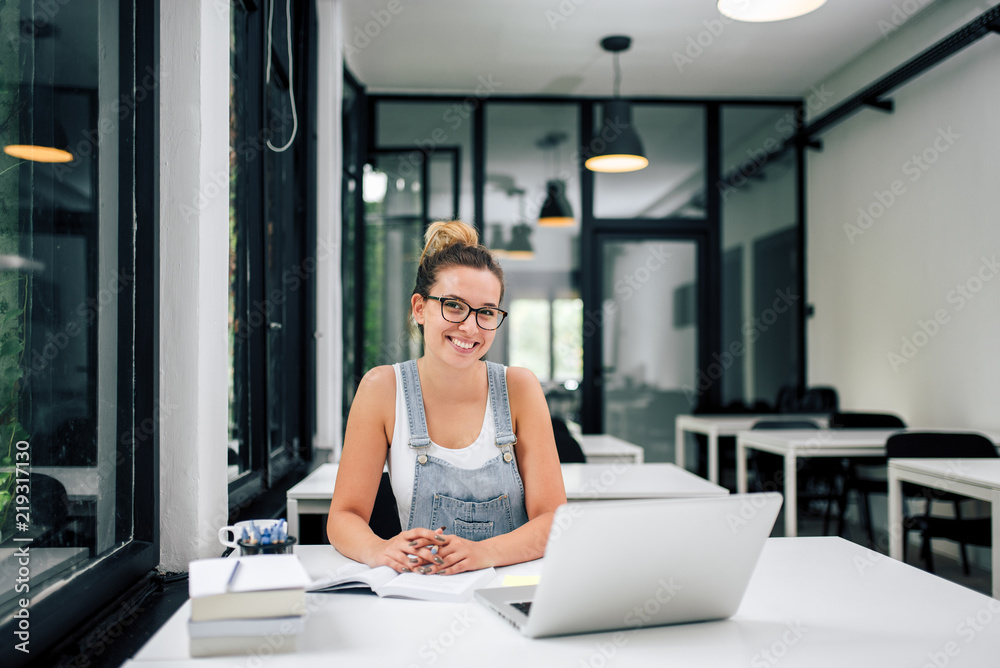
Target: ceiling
column 681, row 48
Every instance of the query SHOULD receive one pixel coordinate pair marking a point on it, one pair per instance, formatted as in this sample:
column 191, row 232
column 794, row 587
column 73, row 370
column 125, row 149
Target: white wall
column 892, row 330
column 329, row 158
column 194, row 280
column 194, row 260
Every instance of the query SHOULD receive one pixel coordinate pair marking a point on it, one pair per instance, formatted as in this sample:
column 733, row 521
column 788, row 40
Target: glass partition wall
column 655, row 295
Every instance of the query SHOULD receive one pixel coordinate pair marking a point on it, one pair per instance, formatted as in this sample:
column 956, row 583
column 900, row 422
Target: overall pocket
column 472, row 520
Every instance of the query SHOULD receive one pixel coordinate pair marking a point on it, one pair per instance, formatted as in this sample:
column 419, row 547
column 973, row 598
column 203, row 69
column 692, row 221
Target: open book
column 388, row 583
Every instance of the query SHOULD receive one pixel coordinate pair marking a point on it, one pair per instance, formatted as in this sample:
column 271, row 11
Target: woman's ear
column 417, row 304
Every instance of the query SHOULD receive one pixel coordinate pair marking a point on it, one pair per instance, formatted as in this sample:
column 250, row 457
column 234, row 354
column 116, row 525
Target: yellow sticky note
column 520, row 580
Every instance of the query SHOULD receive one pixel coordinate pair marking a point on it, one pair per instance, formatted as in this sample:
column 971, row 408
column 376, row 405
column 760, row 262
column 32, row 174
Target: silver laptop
column 631, row 564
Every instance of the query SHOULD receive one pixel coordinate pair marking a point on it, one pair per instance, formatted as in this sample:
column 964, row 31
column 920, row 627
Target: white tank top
column 402, row 458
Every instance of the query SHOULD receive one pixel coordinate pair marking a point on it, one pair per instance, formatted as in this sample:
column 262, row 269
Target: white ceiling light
column 758, row 11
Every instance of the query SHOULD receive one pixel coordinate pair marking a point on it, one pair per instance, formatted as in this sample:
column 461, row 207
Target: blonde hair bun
column 445, row 233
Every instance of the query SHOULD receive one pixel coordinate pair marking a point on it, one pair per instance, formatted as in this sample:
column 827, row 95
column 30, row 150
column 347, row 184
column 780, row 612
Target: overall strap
column 419, row 440
column 501, row 409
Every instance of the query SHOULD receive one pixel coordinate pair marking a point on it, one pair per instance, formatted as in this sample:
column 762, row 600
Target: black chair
column 866, row 477
column 964, row 531
column 567, row 446
column 817, row 478
column 819, row 400
column 385, row 517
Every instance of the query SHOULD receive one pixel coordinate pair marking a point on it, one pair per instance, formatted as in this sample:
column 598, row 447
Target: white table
column 812, row 602
column 606, row 449
column 975, row 478
column 619, row 480
column 795, row 443
column 715, row 426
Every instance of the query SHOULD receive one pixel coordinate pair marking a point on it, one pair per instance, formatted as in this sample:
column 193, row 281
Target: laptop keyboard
column 524, row 606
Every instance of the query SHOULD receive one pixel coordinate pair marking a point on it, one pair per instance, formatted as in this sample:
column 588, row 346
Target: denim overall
column 474, row 504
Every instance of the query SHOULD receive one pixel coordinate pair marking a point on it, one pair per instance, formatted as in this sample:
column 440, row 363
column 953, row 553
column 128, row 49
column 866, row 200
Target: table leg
column 679, row 445
column 292, row 505
column 791, row 497
column 713, row 456
column 995, row 551
column 895, row 516
column 741, row 467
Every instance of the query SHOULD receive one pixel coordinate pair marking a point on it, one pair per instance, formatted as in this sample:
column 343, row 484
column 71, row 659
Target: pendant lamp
column 761, row 11
column 520, row 247
column 556, row 210
column 618, row 147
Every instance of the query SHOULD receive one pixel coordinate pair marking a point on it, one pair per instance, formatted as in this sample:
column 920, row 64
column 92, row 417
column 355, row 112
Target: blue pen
column 232, row 576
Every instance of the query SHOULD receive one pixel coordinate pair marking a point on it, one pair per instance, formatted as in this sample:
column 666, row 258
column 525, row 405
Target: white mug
column 237, row 530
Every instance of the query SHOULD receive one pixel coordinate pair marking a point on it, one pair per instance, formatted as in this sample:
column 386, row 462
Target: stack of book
column 248, row 605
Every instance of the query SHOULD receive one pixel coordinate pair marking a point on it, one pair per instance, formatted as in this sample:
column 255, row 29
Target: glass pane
column 673, row 185
column 528, row 320
column 760, row 317
column 567, row 339
column 442, row 198
column 527, row 147
column 394, row 226
column 238, row 456
column 424, row 128
column 65, row 476
column 650, row 340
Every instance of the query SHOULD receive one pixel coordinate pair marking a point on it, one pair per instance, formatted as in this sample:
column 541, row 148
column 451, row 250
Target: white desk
column 794, row 443
column 812, row 602
column 715, row 426
column 619, row 480
column 975, row 478
column 606, row 449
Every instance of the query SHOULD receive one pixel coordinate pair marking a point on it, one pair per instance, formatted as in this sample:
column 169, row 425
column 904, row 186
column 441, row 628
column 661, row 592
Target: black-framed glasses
column 454, row 309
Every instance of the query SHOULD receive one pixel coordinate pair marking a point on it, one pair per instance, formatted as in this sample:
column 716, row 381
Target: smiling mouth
column 462, row 344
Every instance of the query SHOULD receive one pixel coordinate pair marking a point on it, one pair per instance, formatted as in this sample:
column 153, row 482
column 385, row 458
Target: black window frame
column 74, row 599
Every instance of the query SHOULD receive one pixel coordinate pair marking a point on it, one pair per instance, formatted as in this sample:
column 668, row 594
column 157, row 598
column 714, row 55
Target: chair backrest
column 787, row 400
column 785, row 424
column 819, row 400
column 936, row 444
column 866, row 421
column 569, row 450
column 385, row 516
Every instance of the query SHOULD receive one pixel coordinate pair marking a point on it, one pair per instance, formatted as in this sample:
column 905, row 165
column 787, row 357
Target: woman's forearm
column 352, row 537
column 525, row 543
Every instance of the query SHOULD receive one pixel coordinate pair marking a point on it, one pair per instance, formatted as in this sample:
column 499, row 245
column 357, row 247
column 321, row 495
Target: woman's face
column 457, row 343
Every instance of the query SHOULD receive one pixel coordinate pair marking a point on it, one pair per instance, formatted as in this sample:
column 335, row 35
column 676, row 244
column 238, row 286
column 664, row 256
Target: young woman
column 471, row 455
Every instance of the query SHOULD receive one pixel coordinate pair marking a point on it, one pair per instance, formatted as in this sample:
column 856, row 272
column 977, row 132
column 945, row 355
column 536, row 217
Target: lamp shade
column 760, row 11
column 556, row 211
column 622, row 149
column 38, row 153
column 520, row 243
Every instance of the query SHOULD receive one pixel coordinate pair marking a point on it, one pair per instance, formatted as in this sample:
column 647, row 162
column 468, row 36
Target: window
column 77, row 313
column 272, row 244
column 557, row 357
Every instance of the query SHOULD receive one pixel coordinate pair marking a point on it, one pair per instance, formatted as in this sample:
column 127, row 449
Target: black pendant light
column 617, row 147
column 556, row 210
column 520, row 247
